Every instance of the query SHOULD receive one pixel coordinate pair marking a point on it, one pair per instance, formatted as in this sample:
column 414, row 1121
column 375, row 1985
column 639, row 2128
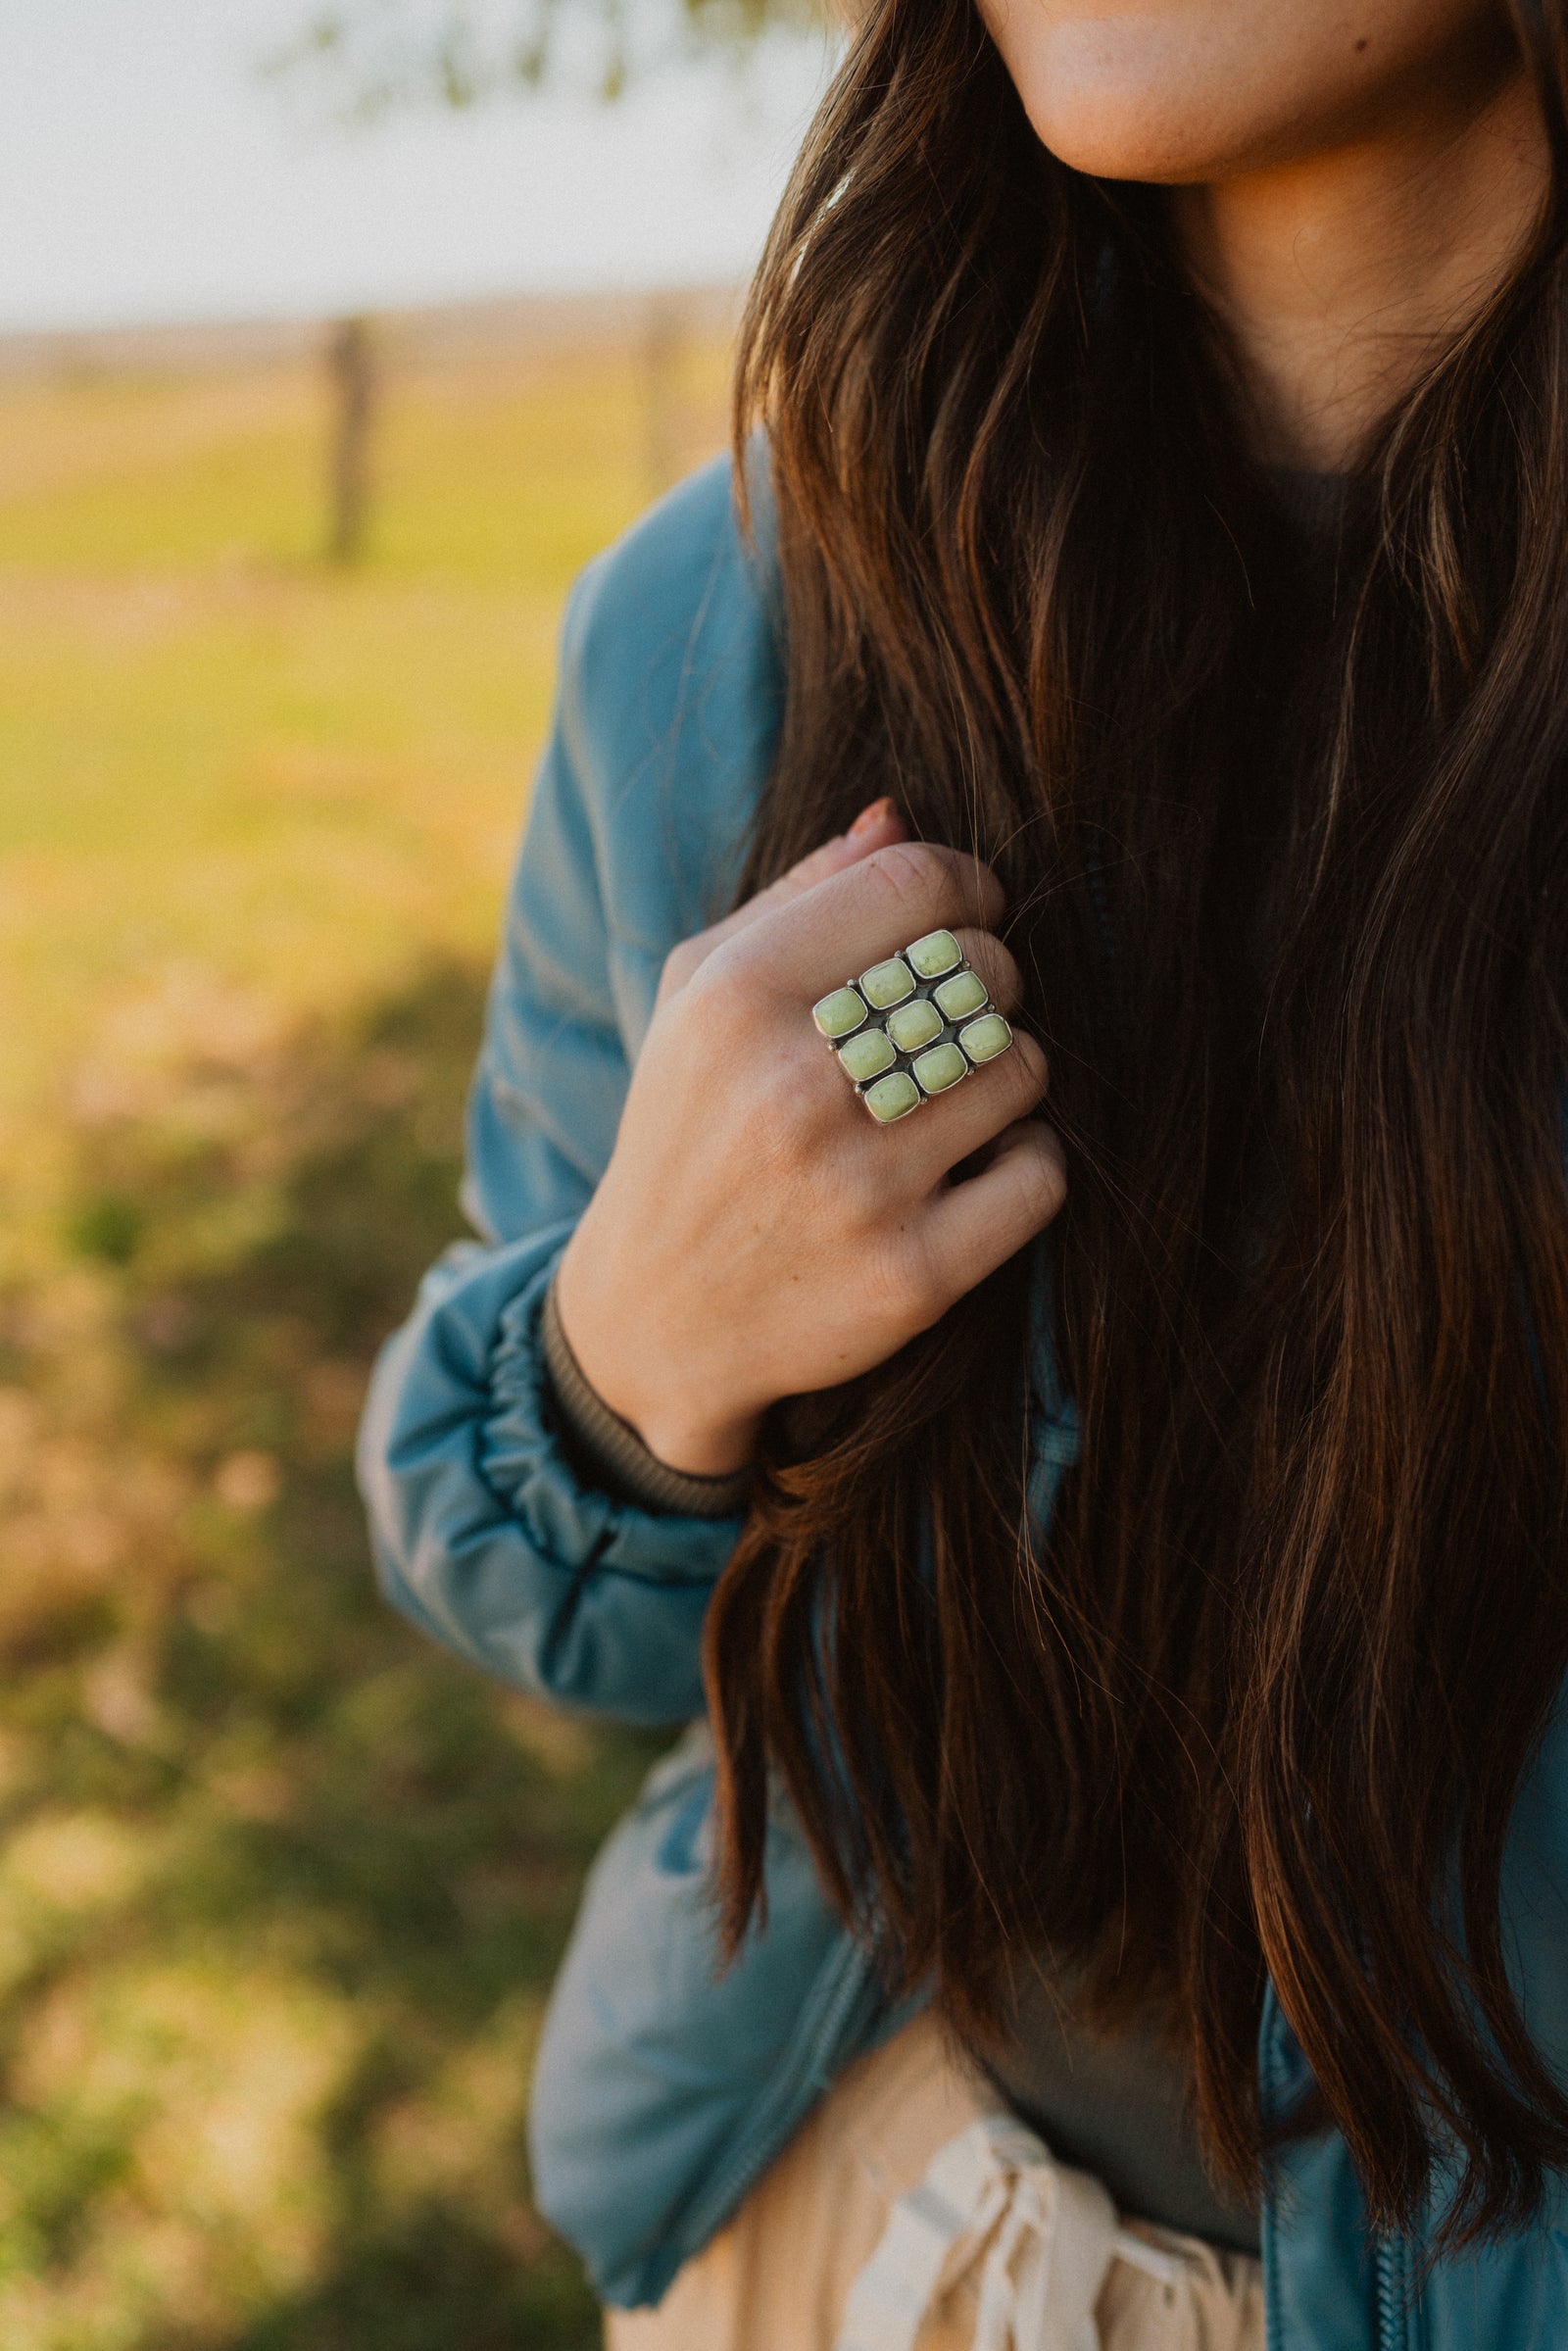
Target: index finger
column 831, row 856
column 871, row 910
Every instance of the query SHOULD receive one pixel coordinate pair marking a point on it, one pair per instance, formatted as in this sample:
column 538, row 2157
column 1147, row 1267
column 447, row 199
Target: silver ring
column 913, row 1026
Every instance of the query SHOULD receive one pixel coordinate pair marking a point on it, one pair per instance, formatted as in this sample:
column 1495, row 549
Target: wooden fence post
column 351, row 367
column 664, row 351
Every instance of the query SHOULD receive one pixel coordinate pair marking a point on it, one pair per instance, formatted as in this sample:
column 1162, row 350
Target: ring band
column 911, row 1026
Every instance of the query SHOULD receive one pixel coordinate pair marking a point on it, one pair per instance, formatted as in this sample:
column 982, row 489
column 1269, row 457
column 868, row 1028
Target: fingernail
column 874, row 815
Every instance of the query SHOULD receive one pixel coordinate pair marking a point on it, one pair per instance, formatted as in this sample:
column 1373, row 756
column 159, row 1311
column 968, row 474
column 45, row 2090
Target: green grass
column 281, row 1888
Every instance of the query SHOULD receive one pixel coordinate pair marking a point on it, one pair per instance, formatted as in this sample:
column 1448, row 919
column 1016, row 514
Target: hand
column 756, row 1235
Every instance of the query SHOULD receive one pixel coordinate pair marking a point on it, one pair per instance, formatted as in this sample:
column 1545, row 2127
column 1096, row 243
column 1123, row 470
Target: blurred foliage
column 281, row 1886
column 373, row 56
column 282, row 1890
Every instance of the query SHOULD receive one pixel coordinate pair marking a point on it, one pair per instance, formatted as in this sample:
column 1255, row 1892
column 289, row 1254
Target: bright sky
column 148, row 172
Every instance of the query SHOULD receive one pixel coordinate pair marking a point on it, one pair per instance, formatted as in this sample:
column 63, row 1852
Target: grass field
column 280, row 1889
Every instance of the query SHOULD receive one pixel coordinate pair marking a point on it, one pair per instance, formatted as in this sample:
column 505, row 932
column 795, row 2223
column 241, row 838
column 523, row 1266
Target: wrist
column 697, row 1448
column 673, row 1426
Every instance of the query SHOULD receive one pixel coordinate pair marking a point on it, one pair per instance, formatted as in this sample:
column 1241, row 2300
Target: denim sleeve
column 485, row 1532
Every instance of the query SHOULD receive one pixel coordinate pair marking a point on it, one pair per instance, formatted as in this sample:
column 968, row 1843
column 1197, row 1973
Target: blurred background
column 331, row 345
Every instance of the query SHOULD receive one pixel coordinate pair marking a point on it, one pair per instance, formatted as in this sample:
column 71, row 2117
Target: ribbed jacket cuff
column 613, row 1445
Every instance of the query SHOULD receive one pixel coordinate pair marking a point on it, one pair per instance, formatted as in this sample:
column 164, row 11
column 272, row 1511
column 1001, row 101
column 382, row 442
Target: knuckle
column 746, row 1000
column 921, row 884
column 731, row 985
column 858, row 1185
column 817, row 1102
column 782, row 1132
column 1028, row 1072
column 822, row 1120
column 910, row 873
column 722, row 1075
column 995, row 965
column 784, row 1162
column 1042, row 1180
column 699, row 999
column 679, row 964
column 905, row 1279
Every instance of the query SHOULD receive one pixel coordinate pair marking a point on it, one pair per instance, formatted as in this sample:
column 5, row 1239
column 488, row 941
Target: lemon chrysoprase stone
column 892, row 1097
column 866, row 1055
column 914, row 1024
column 937, row 952
column 986, row 1037
column 961, row 996
column 943, row 1067
column 837, row 1015
column 887, row 983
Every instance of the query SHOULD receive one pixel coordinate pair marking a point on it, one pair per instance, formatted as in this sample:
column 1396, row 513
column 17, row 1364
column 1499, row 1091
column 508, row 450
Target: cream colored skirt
column 910, row 2215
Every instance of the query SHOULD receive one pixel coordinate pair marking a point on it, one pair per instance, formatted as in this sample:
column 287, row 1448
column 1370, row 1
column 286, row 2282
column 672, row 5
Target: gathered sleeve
column 489, row 1530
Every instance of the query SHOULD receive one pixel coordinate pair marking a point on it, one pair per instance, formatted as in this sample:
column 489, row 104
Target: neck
column 1341, row 275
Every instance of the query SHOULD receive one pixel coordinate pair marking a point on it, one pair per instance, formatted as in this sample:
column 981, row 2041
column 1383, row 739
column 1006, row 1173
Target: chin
column 1117, row 109
column 1128, row 110
column 1110, row 141
column 1183, row 90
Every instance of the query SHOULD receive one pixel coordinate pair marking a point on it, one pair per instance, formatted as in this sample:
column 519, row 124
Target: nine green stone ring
column 911, row 1026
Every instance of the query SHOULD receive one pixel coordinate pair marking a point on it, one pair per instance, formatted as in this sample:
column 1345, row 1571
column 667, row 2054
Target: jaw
column 1197, row 90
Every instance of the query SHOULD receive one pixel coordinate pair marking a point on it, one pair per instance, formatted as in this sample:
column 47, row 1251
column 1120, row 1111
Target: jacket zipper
column 1393, row 2295
column 851, row 1982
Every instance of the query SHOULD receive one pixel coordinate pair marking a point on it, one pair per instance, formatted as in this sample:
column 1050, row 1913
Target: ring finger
column 964, row 1003
column 960, row 1122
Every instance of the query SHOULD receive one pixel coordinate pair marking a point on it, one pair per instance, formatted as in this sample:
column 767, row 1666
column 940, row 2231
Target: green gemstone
column 943, row 1067
column 866, row 1055
column 839, row 1012
column 962, row 995
column 913, row 1025
column 937, row 952
column 887, row 983
column 892, row 1097
column 985, row 1038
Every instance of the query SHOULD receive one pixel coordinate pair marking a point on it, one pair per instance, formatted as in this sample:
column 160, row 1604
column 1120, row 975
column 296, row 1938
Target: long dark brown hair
column 1284, row 828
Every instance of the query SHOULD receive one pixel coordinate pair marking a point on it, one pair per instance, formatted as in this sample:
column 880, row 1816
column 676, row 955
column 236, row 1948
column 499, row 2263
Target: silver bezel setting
column 950, row 1033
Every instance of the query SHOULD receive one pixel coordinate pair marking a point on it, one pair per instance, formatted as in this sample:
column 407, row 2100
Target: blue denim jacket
column 664, row 2086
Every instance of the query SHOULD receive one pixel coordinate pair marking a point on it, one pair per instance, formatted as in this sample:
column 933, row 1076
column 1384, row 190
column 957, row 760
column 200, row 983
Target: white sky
column 149, row 173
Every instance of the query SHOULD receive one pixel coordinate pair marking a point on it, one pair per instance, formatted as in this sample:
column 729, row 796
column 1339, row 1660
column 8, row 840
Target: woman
column 1140, row 1632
